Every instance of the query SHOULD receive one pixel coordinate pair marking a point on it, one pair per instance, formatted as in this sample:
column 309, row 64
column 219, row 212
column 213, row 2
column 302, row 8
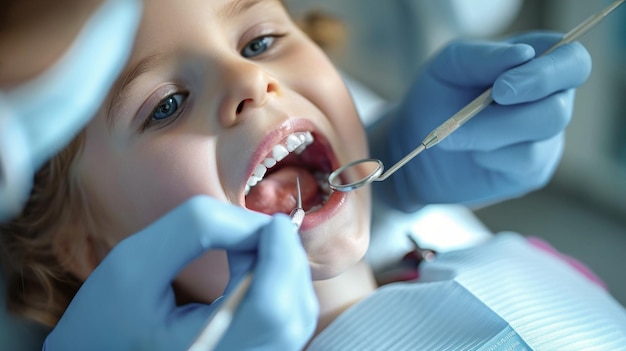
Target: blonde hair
column 38, row 283
column 57, row 218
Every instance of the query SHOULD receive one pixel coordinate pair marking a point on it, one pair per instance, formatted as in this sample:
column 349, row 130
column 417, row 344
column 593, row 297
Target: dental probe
column 454, row 122
column 297, row 215
column 221, row 318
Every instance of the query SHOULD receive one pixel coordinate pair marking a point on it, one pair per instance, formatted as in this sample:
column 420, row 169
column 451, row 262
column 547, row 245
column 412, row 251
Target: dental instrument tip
column 299, row 198
column 297, row 215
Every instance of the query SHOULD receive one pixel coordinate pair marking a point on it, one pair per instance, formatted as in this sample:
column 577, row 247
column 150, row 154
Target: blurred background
column 582, row 212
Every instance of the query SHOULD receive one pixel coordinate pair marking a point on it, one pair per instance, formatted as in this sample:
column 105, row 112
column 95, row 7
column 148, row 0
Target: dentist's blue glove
column 510, row 148
column 128, row 302
column 41, row 116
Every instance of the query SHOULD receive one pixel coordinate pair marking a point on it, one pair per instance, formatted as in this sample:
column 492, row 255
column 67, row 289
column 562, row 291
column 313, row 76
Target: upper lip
column 276, row 136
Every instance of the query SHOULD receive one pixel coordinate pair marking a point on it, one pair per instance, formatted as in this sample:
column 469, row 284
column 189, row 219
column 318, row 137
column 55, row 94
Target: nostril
column 240, row 106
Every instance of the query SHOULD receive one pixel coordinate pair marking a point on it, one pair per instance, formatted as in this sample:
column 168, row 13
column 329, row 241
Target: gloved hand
column 128, row 303
column 510, row 148
column 31, row 131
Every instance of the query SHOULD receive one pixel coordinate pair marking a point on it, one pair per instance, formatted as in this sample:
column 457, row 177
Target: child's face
column 212, row 87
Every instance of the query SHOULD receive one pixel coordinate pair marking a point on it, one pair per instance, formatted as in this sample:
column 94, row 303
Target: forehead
column 222, row 9
column 167, row 22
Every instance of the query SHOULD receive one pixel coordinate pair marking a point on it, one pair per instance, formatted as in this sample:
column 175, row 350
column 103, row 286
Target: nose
column 246, row 87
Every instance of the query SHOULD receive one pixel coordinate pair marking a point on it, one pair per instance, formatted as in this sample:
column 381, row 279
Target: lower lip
column 329, row 210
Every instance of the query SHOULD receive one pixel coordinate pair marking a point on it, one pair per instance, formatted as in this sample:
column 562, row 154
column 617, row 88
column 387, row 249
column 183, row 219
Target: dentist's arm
column 510, row 148
column 128, row 302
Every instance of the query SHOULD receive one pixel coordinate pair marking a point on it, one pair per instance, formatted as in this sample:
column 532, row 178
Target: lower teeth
column 314, row 208
column 322, row 182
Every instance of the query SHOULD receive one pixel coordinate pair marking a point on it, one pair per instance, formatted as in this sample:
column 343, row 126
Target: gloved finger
column 279, row 248
column 524, row 166
column 564, row 68
column 282, row 261
column 499, row 126
column 280, row 307
column 155, row 255
column 241, row 263
column 478, row 64
column 539, row 40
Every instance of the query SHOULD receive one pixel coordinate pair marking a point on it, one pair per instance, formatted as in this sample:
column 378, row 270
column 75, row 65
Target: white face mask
column 40, row 117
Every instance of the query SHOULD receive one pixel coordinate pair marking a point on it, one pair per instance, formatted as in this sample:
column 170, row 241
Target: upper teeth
column 295, row 142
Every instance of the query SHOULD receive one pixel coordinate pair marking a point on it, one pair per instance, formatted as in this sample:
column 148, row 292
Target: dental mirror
column 374, row 168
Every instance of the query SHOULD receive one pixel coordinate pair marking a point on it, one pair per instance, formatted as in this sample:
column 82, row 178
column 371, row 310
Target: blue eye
column 166, row 112
column 257, row 46
column 168, row 107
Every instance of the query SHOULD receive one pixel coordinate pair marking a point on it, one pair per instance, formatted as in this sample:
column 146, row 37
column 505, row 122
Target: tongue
column 277, row 192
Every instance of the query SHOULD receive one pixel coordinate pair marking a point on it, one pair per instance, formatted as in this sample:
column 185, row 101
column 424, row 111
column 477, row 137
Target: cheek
column 172, row 171
column 323, row 86
column 133, row 187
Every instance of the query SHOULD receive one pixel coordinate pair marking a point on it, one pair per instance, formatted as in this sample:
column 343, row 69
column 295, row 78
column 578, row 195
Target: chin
column 336, row 259
column 341, row 241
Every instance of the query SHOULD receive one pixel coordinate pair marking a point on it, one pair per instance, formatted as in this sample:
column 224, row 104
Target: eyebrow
column 118, row 98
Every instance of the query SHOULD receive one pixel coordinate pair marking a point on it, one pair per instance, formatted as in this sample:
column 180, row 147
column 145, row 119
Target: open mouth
column 272, row 186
